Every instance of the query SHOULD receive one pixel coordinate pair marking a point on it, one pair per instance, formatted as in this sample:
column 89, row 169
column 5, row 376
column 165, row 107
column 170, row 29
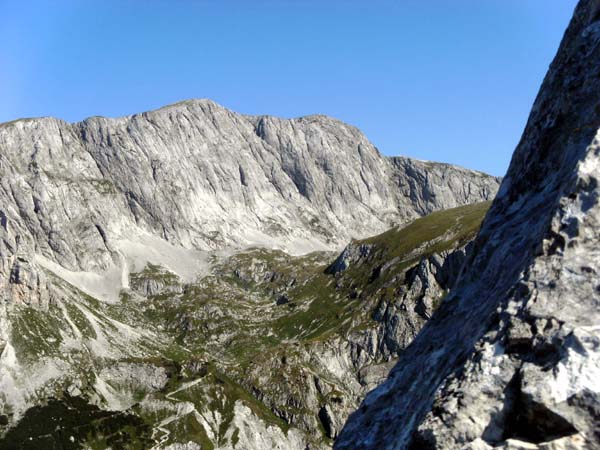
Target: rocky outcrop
column 155, row 280
column 423, row 290
column 511, row 359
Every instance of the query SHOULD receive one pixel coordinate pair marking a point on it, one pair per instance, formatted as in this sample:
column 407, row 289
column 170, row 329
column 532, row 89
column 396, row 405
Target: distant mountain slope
column 133, row 311
column 92, row 200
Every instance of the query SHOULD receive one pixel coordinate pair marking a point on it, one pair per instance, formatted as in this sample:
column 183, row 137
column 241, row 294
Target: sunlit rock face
column 91, row 200
column 511, row 359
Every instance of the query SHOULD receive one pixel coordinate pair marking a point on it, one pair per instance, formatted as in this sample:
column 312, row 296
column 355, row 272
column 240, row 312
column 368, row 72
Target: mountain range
column 191, row 278
column 146, row 258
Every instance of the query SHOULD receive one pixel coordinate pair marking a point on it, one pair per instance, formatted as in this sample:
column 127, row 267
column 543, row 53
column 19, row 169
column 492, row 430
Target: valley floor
column 261, row 350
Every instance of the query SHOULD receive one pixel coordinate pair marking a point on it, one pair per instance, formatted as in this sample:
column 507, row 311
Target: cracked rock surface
column 511, row 359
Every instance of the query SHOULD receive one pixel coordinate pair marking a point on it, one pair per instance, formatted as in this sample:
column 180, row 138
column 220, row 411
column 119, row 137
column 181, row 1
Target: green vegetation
column 72, row 424
column 188, row 429
column 38, row 333
column 105, row 187
column 218, row 392
column 333, row 305
column 436, row 232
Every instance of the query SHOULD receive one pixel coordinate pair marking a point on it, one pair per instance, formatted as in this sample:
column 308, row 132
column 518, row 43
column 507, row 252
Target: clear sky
column 445, row 80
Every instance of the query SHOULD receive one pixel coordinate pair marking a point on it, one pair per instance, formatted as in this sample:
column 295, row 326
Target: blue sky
column 440, row 80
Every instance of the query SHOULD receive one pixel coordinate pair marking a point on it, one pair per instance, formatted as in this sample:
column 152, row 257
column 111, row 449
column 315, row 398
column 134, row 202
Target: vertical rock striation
column 104, row 194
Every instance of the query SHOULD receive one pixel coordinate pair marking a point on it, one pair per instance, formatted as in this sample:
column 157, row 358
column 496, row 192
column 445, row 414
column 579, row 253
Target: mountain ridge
column 198, row 177
column 254, row 118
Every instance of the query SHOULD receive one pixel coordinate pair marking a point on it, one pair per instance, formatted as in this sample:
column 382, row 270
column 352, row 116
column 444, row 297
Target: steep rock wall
column 512, row 357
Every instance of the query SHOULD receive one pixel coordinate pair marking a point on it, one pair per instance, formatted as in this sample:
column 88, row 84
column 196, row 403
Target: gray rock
column 352, row 254
column 512, row 357
column 424, row 289
column 155, row 280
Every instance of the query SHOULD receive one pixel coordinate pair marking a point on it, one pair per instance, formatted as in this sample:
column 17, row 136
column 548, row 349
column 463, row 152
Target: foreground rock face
column 134, row 314
column 512, row 357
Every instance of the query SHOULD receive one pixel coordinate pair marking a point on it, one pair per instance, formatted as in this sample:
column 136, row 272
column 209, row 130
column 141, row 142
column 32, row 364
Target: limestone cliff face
column 103, row 195
column 511, row 359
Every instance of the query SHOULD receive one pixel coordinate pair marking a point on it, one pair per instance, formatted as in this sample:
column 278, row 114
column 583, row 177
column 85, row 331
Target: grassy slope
column 231, row 321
